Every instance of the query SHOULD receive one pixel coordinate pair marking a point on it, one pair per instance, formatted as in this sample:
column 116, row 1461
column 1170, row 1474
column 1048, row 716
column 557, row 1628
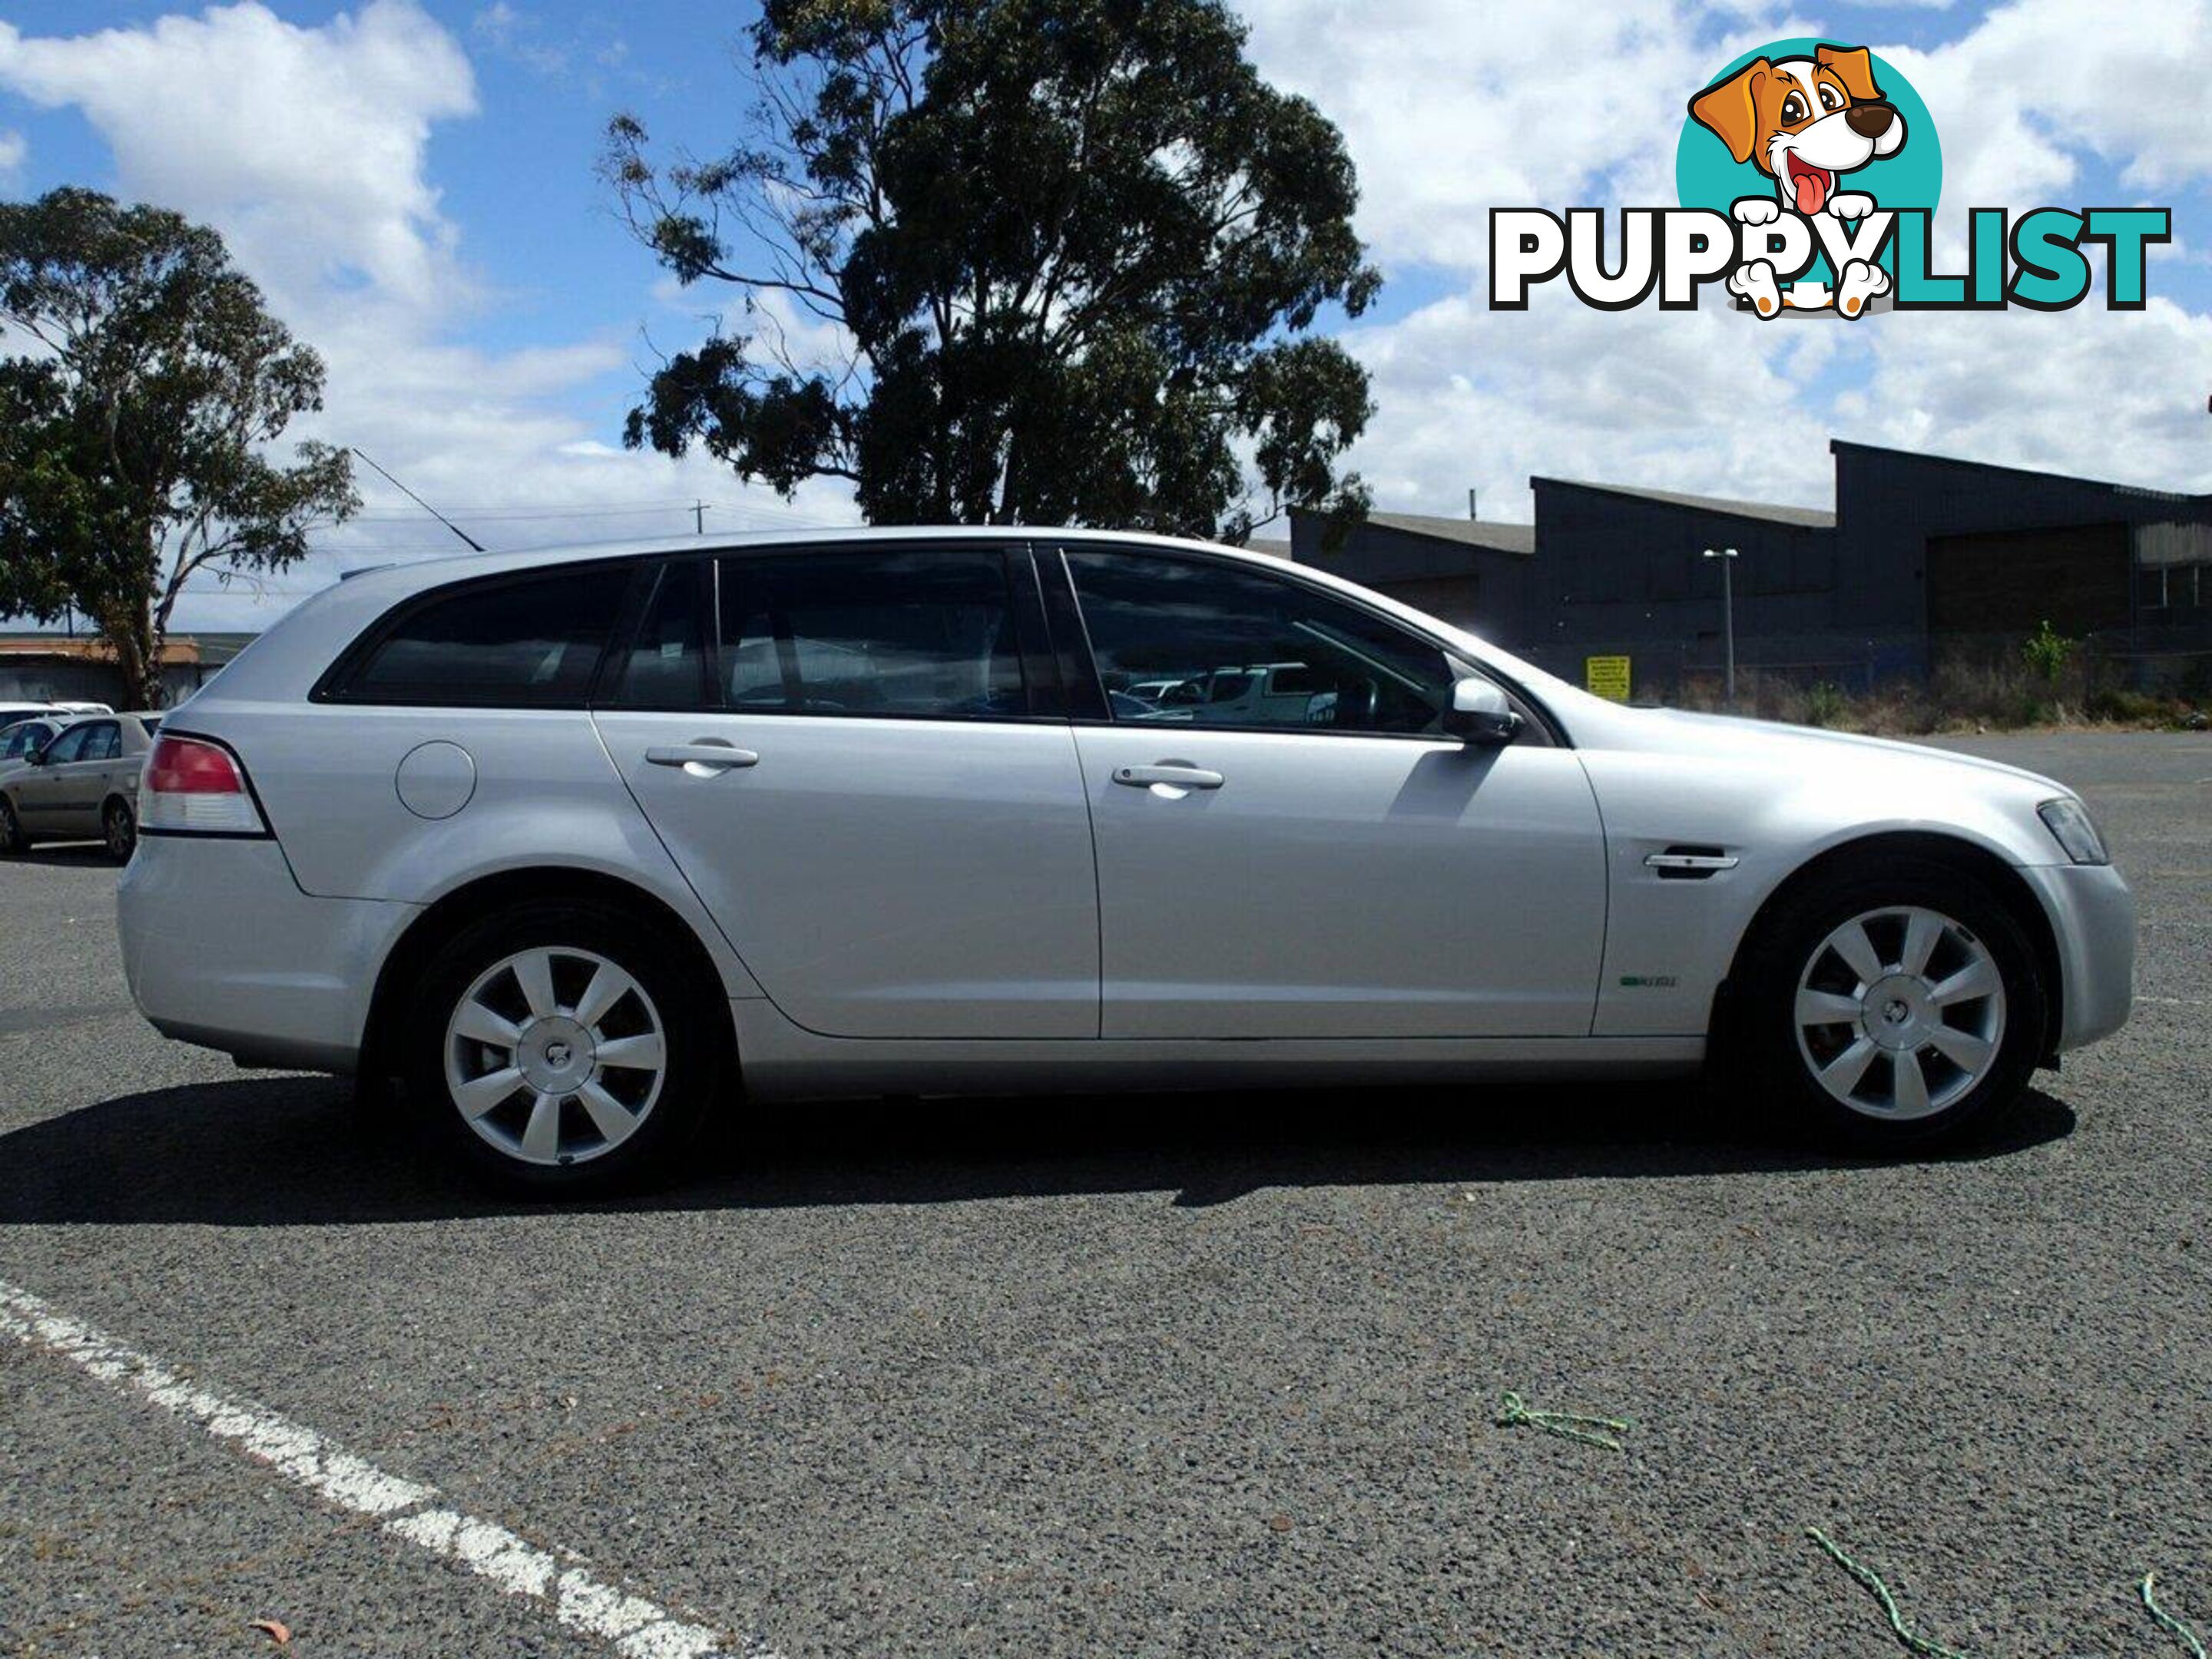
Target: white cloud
column 515, row 34
column 307, row 148
column 13, row 149
column 305, row 145
column 1703, row 400
column 1450, row 111
column 2038, row 82
column 2113, row 394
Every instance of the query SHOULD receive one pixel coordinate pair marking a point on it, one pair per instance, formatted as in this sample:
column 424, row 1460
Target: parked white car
column 584, row 844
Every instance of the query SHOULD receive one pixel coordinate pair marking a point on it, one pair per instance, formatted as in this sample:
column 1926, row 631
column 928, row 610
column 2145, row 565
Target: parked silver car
column 577, row 843
column 80, row 783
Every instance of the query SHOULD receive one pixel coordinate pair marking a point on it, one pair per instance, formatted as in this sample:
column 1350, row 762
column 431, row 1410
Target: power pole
column 698, row 518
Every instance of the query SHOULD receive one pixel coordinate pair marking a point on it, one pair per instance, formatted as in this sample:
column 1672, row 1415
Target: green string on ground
column 2187, row 1635
column 1872, row 1580
column 1514, row 1412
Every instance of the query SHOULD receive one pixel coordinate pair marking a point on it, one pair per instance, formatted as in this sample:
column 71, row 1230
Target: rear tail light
column 192, row 786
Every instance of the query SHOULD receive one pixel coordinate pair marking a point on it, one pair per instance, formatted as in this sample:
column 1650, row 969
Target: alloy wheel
column 555, row 1055
column 1900, row 1013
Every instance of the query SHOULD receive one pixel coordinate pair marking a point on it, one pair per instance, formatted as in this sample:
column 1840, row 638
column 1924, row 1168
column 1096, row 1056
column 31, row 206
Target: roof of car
column 458, row 567
column 292, row 655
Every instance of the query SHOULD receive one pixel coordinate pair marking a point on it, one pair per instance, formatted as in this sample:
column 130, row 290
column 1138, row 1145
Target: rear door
column 856, row 757
column 43, row 792
column 83, row 782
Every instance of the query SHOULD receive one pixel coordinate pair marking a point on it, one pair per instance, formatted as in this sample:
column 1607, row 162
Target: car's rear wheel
column 562, row 1049
column 119, row 827
column 12, row 838
column 1890, row 1007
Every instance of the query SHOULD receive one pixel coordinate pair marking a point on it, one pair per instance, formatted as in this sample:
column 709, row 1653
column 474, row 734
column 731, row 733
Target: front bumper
column 221, row 948
column 2093, row 917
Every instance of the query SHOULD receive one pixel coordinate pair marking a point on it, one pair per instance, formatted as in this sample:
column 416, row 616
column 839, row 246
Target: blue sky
column 412, row 181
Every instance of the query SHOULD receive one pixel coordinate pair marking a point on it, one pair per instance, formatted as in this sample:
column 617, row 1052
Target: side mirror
column 36, row 757
column 1480, row 713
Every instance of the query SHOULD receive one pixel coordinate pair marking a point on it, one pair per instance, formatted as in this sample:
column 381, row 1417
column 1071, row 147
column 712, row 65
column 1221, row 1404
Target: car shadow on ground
column 297, row 1151
column 71, row 855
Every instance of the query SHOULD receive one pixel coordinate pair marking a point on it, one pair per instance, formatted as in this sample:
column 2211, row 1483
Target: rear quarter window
column 530, row 641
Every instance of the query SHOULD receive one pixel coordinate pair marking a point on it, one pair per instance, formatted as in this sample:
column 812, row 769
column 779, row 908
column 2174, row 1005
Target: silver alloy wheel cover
column 119, row 832
column 555, row 1053
column 1905, row 1028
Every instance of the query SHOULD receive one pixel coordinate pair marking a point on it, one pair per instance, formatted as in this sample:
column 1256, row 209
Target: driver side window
column 69, row 745
column 1193, row 642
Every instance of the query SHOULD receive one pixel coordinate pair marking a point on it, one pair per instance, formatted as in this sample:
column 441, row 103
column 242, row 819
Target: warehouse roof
column 1807, row 518
column 1498, row 537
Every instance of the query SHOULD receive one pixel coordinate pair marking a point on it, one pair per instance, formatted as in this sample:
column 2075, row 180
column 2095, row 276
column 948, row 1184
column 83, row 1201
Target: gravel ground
column 1208, row 1377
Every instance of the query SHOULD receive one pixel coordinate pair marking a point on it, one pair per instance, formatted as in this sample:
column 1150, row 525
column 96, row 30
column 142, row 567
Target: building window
column 2151, row 588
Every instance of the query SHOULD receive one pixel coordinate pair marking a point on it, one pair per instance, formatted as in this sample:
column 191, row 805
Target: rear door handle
column 709, row 756
column 1176, row 775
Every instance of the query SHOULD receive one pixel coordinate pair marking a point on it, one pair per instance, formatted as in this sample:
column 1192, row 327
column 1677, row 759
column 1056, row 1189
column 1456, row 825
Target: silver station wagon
column 582, row 844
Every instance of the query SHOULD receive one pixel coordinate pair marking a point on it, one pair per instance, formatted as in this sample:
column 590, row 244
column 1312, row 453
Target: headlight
column 2068, row 822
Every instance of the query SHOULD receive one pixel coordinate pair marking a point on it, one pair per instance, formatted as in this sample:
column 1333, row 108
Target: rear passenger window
column 528, row 642
column 665, row 665
column 920, row 633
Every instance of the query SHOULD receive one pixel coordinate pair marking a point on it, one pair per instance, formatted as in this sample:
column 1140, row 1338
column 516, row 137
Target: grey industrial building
column 51, row 667
column 1922, row 555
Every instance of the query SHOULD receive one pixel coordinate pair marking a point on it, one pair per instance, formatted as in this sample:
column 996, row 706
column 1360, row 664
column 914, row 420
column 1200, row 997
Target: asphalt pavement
column 1201, row 1376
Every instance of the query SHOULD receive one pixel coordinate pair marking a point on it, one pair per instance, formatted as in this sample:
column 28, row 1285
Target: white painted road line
column 576, row 1597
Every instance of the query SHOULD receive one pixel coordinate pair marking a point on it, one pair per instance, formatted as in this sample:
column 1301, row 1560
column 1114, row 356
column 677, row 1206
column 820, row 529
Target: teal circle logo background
column 1707, row 176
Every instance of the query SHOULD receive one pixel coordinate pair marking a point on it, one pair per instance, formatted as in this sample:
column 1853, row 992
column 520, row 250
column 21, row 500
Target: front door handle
column 703, row 759
column 1176, row 775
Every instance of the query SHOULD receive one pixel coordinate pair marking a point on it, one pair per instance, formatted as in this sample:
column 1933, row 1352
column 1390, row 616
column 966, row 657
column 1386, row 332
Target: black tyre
column 561, row 1049
column 119, row 827
column 12, row 838
column 1893, row 1006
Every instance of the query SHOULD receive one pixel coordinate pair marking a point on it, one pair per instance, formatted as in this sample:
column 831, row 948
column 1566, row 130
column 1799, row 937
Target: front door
column 841, row 752
column 56, row 797
column 1287, row 844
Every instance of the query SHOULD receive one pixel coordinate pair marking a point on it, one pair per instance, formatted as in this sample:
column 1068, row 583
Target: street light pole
column 1727, row 556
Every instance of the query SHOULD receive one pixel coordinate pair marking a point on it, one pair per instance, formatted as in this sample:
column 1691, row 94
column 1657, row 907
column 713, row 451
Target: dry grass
column 1984, row 696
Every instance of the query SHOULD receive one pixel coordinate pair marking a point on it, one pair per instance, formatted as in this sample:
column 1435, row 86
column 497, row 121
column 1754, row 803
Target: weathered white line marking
column 578, row 1599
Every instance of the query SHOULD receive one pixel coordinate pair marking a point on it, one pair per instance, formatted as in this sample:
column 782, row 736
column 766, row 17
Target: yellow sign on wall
column 1606, row 677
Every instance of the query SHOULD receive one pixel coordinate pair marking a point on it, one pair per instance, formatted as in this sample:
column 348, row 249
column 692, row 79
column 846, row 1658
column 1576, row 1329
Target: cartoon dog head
column 1803, row 120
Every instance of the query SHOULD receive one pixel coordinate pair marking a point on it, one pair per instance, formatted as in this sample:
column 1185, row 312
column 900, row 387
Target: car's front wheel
column 1890, row 1007
column 12, row 838
column 563, row 1048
